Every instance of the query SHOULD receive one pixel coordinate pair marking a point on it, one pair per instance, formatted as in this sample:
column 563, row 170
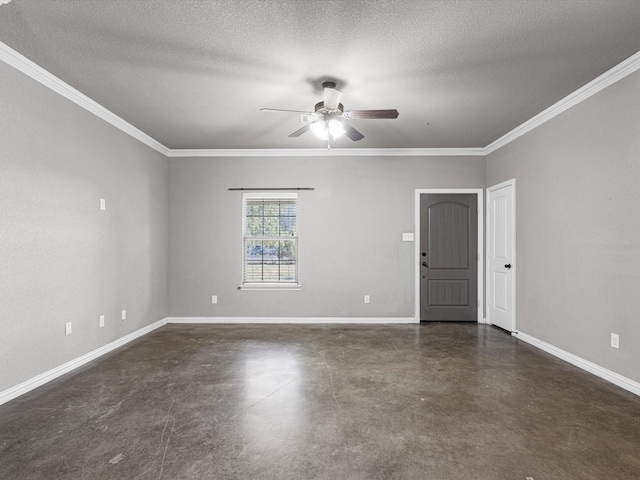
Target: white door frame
column 480, row 194
column 493, row 188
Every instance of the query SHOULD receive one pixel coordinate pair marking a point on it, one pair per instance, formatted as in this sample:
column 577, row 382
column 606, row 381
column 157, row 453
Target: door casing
column 480, row 194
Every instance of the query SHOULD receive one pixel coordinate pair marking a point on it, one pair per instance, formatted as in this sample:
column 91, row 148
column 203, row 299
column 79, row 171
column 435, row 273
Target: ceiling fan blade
column 281, row 110
column 300, row 131
column 310, row 118
column 332, row 98
column 371, row 114
column 352, row 133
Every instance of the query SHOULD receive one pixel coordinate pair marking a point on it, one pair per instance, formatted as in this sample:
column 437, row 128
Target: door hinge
column 478, row 303
column 477, row 257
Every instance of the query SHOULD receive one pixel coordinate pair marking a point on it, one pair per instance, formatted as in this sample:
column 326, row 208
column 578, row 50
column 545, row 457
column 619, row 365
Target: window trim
column 267, row 286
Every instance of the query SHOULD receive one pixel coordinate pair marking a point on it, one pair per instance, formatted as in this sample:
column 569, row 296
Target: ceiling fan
column 327, row 119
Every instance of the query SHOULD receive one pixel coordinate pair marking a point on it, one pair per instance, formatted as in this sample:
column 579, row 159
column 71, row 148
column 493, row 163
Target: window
column 270, row 241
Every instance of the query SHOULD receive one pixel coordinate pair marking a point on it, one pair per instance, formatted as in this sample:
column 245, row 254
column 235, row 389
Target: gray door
column 448, row 257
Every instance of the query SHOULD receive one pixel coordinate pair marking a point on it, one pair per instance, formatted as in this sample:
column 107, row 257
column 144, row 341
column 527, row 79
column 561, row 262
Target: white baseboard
column 613, row 377
column 54, row 373
column 35, row 382
column 294, row 320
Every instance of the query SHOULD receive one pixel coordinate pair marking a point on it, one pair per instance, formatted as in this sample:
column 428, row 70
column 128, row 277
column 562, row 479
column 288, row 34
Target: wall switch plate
column 407, row 237
column 615, row 340
column 101, row 321
column 67, row 328
column 124, row 314
column 214, row 299
column 367, row 299
column 103, row 204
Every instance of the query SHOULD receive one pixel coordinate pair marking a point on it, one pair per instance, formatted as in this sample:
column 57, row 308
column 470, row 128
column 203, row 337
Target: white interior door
column 501, row 262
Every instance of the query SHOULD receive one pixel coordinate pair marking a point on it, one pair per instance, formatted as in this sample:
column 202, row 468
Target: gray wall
column 578, row 227
column 350, row 232
column 171, row 235
column 61, row 258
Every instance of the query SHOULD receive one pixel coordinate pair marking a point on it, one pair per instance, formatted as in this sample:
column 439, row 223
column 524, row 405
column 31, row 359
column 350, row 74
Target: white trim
column 292, row 320
column 54, row 373
column 491, row 189
column 39, row 74
column 270, row 287
column 608, row 375
column 35, row 382
column 31, row 69
column 267, row 286
column 480, row 194
column 608, row 78
column 323, row 152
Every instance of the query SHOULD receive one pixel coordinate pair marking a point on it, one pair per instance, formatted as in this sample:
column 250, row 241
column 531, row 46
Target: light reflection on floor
column 272, row 398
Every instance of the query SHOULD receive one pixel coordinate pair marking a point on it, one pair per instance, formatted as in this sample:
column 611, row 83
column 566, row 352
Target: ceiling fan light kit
column 327, row 119
column 324, row 129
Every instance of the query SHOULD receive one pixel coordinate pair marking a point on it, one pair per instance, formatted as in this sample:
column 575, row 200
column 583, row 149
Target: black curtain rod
column 269, row 189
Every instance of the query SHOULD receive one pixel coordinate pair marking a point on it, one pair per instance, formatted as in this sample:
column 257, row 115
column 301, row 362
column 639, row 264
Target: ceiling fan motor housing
column 320, row 106
column 327, row 121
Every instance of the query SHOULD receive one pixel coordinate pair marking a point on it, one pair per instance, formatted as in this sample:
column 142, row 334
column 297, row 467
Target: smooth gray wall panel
column 61, row 258
column 578, row 227
column 350, row 232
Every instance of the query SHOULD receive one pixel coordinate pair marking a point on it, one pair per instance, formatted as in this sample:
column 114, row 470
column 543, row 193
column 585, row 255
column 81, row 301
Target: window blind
column 270, row 239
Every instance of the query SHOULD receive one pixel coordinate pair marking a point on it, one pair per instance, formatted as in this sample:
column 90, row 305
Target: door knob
column 424, row 264
column 508, row 266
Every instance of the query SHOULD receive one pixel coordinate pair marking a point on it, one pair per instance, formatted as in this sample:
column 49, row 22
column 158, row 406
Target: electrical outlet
column 214, row 299
column 615, row 340
column 67, row 328
column 103, row 204
column 367, row 299
column 101, row 321
column 124, row 314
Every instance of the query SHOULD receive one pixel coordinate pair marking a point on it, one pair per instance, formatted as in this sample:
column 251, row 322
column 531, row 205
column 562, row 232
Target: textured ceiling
column 194, row 73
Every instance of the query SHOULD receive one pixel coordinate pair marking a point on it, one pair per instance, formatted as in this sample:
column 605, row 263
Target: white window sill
column 270, row 286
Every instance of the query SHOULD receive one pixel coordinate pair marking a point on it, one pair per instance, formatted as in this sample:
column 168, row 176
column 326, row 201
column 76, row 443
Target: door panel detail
column 499, row 225
column 448, row 293
column 499, row 291
column 449, row 241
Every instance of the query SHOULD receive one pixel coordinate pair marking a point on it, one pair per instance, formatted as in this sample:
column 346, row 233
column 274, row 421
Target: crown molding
column 623, row 69
column 323, row 152
column 31, row 69
column 39, row 74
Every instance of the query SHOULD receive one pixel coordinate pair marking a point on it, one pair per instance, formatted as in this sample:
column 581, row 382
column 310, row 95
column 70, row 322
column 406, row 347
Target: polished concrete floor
column 435, row 401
